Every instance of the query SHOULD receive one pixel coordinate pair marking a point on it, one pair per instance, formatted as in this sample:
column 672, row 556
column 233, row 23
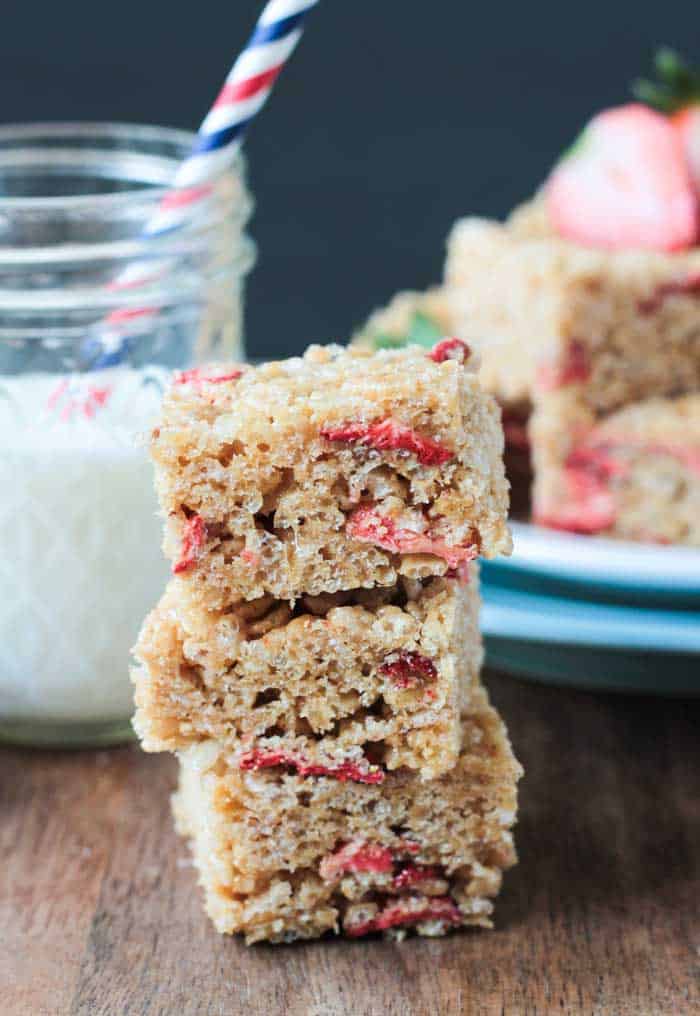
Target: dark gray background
column 392, row 118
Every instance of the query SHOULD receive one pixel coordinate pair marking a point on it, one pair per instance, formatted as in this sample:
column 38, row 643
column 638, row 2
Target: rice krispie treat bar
column 568, row 335
column 422, row 317
column 282, row 856
column 336, row 470
column 635, row 475
column 353, row 683
column 545, row 313
column 587, row 300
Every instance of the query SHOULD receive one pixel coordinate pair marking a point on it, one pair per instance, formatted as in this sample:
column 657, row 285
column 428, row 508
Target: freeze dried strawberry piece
column 461, row 573
column 390, row 435
column 356, row 856
column 259, row 758
column 450, row 349
column 193, row 540
column 250, row 558
column 574, row 367
column 367, row 526
column 407, row 668
column 414, row 874
column 409, row 846
column 413, row 910
column 195, row 376
column 590, row 505
column 689, row 286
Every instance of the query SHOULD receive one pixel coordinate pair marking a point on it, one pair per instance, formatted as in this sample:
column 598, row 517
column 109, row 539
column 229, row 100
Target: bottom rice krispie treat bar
column 635, row 475
column 283, row 857
column 350, row 683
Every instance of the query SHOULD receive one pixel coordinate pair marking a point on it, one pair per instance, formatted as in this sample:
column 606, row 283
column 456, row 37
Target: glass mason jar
column 84, row 355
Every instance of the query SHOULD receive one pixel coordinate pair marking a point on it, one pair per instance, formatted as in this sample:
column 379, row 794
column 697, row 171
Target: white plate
column 614, row 564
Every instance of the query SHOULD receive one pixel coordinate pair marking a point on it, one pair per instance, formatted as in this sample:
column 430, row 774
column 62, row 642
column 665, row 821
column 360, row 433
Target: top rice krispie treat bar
column 336, row 470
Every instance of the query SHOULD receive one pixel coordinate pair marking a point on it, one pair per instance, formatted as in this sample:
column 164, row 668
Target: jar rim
column 62, row 251
column 130, row 134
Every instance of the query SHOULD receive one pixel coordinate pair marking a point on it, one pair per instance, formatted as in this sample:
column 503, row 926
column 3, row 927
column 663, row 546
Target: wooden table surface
column 100, row 913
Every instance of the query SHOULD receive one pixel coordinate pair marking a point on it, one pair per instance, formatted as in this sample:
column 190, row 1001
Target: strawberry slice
column 676, row 92
column 625, row 184
column 686, row 123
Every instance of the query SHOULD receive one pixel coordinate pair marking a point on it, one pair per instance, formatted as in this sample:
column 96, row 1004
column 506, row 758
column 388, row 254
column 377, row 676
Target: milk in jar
column 82, row 562
column 84, row 359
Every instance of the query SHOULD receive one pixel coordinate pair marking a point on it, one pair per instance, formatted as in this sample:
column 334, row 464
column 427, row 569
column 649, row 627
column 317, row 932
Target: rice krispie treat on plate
column 336, row 470
column 353, row 683
column 634, row 475
column 587, row 300
column 282, row 856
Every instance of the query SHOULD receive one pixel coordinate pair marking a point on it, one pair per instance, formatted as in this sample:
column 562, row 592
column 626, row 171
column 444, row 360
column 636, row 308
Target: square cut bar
column 636, row 476
column 282, row 857
column 353, row 683
column 569, row 335
column 336, row 470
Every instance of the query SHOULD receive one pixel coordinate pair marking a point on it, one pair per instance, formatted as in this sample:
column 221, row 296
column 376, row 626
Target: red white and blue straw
column 219, row 138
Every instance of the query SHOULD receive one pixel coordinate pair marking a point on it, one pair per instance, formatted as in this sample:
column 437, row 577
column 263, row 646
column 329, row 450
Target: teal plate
column 600, row 646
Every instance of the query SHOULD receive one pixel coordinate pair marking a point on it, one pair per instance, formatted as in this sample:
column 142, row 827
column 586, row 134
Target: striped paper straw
column 219, row 138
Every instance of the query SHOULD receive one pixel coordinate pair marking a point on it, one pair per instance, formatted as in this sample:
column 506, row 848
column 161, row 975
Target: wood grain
column 100, row 913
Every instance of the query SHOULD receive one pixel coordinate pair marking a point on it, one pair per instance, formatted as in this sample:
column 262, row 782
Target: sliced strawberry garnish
column 390, row 435
column 625, row 184
column 406, row 668
column 677, row 93
column 260, row 758
column 686, row 123
column 193, row 539
column 368, row 526
column 356, row 856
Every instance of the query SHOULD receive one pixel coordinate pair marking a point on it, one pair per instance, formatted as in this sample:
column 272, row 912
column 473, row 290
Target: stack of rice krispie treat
column 584, row 309
column 314, row 661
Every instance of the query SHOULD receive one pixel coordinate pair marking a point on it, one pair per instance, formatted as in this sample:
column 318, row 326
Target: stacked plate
column 594, row 613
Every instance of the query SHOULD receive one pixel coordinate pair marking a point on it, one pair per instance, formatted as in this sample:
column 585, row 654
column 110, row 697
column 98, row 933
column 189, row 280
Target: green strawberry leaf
column 677, row 84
